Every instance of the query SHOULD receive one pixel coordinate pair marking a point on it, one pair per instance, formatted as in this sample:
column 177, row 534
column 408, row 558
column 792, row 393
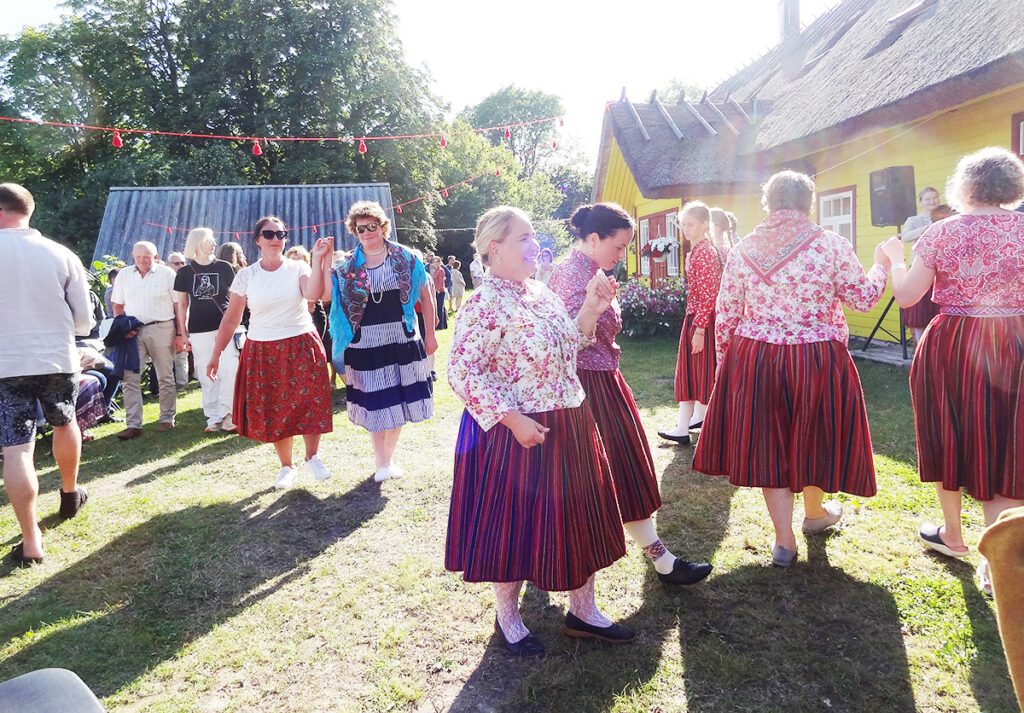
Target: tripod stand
column 902, row 339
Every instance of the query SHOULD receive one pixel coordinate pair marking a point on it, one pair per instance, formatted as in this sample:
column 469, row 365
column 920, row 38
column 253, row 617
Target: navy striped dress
column 387, row 377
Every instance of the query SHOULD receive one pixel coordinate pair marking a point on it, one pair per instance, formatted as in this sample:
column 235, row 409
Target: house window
column 837, row 211
column 645, row 237
column 672, row 231
column 1017, row 134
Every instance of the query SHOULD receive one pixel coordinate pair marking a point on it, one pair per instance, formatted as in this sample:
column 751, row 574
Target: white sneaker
column 395, row 471
column 285, row 478
column 382, row 474
column 315, row 467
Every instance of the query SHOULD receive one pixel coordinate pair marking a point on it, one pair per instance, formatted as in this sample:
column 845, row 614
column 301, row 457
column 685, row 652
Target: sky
column 584, row 51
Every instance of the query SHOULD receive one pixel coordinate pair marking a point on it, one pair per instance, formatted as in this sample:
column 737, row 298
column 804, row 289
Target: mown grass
column 188, row 585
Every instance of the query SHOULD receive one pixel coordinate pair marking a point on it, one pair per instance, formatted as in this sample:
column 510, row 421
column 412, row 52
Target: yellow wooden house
column 868, row 85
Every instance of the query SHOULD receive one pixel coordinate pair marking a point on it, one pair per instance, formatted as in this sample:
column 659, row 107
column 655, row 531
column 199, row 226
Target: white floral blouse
column 514, row 351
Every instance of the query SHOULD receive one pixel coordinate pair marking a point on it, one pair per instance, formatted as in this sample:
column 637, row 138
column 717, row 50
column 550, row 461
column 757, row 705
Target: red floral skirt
column 695, row 373
column 967, row 384
column 545, row 514
column 282, row 390
column 788, row 416
column 629, row 455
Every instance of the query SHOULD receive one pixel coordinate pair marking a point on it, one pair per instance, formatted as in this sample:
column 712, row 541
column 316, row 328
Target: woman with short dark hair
column 967, row 377
column 787, row 414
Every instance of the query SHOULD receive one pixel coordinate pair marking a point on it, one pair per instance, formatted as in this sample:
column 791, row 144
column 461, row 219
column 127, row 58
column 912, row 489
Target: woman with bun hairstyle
column 696, row 362
column 723, row 229
column 603, row 232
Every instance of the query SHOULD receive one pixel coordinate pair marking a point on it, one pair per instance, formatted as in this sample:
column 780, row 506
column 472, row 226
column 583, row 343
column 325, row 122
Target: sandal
column 932, row 537
column 18, row 555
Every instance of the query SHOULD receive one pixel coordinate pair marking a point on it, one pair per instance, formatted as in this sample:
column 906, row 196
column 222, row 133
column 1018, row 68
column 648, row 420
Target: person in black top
column 202, row 288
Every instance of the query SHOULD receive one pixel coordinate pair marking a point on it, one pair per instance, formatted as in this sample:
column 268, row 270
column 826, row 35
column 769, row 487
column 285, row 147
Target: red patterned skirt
column 788, row 416
column 695, row 373
column 281, row 389
column 545, row 514
column 629, row 455
column 919, row 315
column 967, row 384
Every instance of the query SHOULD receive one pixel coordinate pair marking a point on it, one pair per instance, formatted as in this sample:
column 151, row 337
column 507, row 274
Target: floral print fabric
column 514, row 350
column 569, row 281
column 703, row 276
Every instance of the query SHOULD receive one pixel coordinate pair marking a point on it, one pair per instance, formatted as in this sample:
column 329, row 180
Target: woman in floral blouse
column 788, row 411
column 603, row 232
column 532, row 497
column 966, row 379
column 696, row 363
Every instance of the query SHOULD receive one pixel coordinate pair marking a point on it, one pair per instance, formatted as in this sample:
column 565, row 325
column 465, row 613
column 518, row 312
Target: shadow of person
column 168, row 581
column 990, row 676
column 808, row 638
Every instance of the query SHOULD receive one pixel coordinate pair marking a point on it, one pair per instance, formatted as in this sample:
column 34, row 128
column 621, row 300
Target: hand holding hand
column 601, row 290
column 892, row 251
column 324, row 247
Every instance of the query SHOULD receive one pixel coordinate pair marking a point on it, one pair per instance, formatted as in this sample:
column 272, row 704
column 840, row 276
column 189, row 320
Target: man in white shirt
column 476, row 271
column 146, row 291
column 46, row 303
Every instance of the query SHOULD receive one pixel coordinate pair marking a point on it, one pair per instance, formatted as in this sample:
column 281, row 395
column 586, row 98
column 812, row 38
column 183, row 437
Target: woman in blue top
column 373, row 325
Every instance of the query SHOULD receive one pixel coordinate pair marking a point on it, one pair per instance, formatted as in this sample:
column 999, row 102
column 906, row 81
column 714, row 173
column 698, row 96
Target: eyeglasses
column 368, row 228
column 274, row 234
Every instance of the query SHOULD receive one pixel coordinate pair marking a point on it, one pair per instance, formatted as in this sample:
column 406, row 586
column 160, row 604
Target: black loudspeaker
column 893, row 196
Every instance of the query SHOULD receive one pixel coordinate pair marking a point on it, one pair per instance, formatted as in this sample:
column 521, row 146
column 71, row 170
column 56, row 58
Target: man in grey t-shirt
column 46, row 303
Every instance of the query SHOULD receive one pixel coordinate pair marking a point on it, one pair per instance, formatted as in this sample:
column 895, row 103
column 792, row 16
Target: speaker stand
column 902, row 339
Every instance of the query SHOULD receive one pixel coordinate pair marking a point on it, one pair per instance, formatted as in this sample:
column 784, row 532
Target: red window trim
column 1015, row 128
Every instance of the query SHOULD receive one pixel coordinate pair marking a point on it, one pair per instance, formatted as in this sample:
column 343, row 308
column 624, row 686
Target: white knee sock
column 583, row 606
column 509, row 619
column 699, row 410
column 683, row 424
column 644, row 534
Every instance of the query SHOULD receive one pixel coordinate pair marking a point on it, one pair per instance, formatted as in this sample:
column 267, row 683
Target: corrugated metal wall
column 228, row 210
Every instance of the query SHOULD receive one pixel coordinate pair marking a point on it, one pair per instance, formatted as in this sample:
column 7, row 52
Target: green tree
column 531, row 145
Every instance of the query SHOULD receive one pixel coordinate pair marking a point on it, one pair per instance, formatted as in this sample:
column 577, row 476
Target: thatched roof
column 863, row 64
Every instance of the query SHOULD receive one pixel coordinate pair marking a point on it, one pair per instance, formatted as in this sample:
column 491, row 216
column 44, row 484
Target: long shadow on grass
column 589, row 676
column 141, row 598
column 808, row 638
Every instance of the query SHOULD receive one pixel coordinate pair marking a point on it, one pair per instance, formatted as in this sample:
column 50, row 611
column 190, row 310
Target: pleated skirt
column 695, row 373
column 282, row 390
column 625, row 442
column 966, row 384
column 545, row 514
column 788, row 416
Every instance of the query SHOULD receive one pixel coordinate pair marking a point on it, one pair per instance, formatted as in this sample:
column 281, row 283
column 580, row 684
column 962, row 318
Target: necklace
column 379, row 252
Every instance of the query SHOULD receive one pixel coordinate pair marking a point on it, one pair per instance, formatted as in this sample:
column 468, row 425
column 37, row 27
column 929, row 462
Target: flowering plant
column 648, row 311
column 658, row 247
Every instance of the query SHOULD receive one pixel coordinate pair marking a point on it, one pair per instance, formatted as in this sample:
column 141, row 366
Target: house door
column 659, row 267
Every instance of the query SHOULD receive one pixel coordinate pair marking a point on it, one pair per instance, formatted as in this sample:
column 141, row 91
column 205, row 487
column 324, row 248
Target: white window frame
column 645, row 237
column 672, row 231
column 832, row 219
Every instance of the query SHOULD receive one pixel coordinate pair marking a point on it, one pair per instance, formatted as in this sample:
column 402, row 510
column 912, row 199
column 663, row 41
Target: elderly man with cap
column 145, row 291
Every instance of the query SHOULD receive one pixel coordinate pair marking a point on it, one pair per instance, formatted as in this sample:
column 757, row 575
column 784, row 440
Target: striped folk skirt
column 695, row 373
column 545, row 514
column 629, row 455
column 281, row 389
column 967, row 384
column 919, row 315
column 788, row 416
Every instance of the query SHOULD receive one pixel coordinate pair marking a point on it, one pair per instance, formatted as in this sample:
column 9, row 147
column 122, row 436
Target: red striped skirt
column 788, row 416
column 695, row 373
column 545, row 514
column 629, row 455
column 919, row 315
column 281, row 389
column 967, row 384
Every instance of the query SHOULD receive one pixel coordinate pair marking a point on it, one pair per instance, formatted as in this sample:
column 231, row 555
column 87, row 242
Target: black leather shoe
column 71, row 503
column 681, row 440
column 697, row 426
column 525, row 647
column 579, row 629
column 685, row 572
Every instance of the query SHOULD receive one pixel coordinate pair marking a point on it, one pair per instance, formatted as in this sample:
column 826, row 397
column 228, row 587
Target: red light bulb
column 256, row 149
column 444, row 141
column 508, row 133
column 398, row 209
column 116, row 141
column 362, row 146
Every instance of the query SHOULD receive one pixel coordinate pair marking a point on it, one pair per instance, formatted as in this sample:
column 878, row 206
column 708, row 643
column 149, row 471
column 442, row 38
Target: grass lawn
column 187, row 584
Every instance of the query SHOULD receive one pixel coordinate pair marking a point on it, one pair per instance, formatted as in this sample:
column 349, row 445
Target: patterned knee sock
column 583, row 606
column 507, row 596
column 644, row 534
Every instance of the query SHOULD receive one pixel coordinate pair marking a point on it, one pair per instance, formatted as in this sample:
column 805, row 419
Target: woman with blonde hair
column 532, row 497
column 787, row 415
column 967, row 379
column 375, row 335
column 203, row 290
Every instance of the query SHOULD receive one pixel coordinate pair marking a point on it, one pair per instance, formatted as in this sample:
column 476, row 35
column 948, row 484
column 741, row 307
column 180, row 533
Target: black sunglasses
column 368, row 228
column 271, row 234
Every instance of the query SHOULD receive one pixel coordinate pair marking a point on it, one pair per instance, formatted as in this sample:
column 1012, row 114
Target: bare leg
column 284, row 452
column 391, row 442
column 509, row 619
column 22, row 488
column 380, row 449
column 813, row 498
column 951, row 533
column 312, row 441
column 780, row 508
column 67, row 451
column 996, row 506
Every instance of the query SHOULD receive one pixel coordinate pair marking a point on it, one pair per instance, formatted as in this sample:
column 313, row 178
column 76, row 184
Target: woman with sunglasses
column 373, row 325
column 281, row 389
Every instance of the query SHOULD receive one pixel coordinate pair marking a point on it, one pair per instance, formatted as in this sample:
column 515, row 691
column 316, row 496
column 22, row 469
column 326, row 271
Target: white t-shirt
column 476, row 270
column 277, row 309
